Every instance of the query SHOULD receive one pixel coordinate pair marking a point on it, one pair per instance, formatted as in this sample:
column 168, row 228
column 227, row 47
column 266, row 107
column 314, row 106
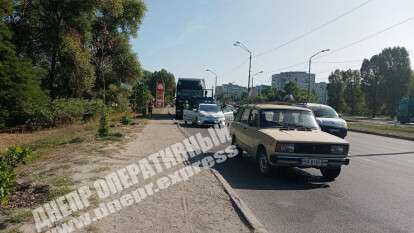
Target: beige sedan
column 287, row 136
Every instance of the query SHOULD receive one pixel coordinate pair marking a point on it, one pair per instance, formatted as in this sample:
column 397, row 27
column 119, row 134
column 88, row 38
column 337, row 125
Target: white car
column 229, row 113
column 205, row 115
column 329, row 120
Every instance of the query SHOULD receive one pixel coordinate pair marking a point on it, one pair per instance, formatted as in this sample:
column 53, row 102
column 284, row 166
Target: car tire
column 263, row 164
column 330, row 173
column 240, row 150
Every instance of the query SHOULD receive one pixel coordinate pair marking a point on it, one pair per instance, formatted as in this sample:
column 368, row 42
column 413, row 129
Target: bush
column 61, row 111
column 126, row 120
column 104, row 128
column 8, row 162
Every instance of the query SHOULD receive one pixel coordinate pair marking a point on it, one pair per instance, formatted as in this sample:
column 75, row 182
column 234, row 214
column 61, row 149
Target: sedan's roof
column 275, row 106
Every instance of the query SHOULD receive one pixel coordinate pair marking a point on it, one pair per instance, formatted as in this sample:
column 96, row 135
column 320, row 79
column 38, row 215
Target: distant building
column 234, row 92
column 279, row 82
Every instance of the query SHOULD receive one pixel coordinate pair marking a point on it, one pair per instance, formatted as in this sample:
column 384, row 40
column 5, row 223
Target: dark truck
column 190, row 93
column 406, row 110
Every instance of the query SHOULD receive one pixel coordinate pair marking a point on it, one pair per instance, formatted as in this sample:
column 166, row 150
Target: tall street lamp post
column 254, row 75
column 215, row 83
column 244, row 47
column 310, row 65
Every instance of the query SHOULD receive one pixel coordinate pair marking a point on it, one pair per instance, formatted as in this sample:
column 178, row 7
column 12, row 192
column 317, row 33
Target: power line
column 338, row 62
column 236, row 67
column 314, row 29
column 351, row 44
column 291, row 66
column 369, row 36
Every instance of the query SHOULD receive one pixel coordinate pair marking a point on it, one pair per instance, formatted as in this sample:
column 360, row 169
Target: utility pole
column 250, row 70
column 254, row 75
column 244, row 47
column 215, row 83
column 310, row 75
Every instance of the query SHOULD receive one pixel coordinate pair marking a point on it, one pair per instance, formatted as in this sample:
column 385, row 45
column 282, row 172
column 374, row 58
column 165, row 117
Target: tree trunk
column 52, row 73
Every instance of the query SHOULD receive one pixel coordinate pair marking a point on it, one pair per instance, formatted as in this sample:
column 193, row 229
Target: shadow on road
column 160, row 116
column 384, row 154
column 182, row 125
column 242, row 174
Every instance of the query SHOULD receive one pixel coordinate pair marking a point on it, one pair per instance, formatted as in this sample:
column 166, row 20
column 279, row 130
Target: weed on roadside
column 59, row 186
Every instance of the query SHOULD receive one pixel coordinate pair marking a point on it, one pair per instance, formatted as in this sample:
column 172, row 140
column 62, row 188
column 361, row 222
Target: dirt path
column 196, row 205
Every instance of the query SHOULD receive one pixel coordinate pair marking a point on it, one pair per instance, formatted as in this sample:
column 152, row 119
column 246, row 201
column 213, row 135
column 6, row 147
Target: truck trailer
column 190, row 93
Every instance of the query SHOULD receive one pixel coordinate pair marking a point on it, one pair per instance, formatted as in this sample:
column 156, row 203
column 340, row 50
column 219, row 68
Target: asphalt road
column 374, row 194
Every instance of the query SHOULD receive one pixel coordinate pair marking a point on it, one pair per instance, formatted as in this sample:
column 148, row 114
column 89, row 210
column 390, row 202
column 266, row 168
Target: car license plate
column 312, row 162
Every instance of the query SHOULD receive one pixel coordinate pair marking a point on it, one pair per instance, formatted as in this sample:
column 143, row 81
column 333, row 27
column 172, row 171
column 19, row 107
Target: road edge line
column 382, row 134
column 239, row 203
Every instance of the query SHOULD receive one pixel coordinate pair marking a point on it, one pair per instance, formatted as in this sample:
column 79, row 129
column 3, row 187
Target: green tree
column 56, row 25
column 140, row 97
column 396, row 70
column 270, row 94
column 299, row 95
column 77, row 75
column 19, row 80
column 371, row 84
column 386, row 79
column 115, row 22
column 167, row 78
column 354, row 96
column 336, row 92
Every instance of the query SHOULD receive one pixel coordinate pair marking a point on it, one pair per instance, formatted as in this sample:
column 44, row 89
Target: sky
column 186, row 37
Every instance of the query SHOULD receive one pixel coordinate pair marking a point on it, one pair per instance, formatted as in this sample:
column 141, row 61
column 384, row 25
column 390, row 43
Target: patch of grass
column 111, row 137
column 391, row 130
column 20, row 216
column 50, row 142
column 101, row 169
column 60, row 186
column 13, row 229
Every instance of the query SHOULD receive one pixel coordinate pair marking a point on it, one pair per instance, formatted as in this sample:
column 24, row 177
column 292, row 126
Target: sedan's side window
column 239, row 114
column 254, row 118
column 245, row 117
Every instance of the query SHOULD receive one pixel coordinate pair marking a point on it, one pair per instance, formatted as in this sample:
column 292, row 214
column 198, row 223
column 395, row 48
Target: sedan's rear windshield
column 209, row 107
column 281, row 118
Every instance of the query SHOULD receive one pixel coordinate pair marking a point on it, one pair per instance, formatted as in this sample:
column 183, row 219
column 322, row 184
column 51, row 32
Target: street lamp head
column 326, row 50
column 237, row 43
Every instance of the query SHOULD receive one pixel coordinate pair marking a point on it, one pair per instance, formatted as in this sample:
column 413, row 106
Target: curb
column 254, row 223
column 256, row 226
column 382, row 134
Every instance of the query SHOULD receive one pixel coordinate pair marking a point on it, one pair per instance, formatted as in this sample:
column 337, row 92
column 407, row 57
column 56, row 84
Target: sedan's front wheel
column 331, row 173
column 264, row 166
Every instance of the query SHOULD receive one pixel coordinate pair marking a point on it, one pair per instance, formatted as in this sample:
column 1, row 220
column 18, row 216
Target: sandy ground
column 196, row 205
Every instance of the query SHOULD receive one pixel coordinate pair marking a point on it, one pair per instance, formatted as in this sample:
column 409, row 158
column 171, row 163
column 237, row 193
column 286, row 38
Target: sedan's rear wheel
column 331, row 173
column 263, row 164
column 234, row 143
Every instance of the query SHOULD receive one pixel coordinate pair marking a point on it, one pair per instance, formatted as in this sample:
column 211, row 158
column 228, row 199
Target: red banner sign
column 159, row 100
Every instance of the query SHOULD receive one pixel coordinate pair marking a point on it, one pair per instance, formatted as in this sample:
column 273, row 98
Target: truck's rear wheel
column 331, row 173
